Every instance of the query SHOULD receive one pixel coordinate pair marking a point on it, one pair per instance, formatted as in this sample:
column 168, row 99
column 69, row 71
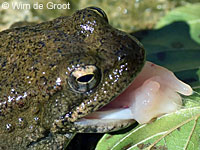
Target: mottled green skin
column 35, row 111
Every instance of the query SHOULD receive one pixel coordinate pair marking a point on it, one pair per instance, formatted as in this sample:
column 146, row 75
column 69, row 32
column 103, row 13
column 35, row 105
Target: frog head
column 102, row 63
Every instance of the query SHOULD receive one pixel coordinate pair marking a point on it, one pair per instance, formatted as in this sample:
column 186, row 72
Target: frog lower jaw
column 153, row 93
column 102, row 125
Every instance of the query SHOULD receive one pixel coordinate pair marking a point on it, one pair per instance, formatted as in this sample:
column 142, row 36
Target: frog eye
column 100, row 12
column 83, row 79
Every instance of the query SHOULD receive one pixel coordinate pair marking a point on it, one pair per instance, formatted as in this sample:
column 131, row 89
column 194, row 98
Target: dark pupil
column 85, row 78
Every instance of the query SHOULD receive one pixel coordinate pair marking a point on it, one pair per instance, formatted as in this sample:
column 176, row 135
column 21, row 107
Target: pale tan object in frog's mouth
column 153, row 93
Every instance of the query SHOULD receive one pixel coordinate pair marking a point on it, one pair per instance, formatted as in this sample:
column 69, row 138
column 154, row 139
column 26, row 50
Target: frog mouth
column 153, row 92
column 108, row 118
column 117, row 112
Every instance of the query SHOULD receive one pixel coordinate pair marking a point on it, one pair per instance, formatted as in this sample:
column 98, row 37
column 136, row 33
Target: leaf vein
column 192, row 131
column 146, row 139
column 171, row 130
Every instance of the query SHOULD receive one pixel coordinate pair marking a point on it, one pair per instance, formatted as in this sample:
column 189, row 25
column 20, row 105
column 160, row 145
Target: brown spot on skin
column 109, row 137
column 159, row 148
column 127, row 146
column 142, row 146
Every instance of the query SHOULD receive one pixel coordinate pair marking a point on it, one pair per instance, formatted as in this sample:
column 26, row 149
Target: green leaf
column 176, row 131
column 190, row 14
column 193, row 100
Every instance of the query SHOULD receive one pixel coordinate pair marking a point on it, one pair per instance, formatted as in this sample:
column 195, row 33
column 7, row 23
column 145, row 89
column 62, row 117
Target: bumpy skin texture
column 37, row 109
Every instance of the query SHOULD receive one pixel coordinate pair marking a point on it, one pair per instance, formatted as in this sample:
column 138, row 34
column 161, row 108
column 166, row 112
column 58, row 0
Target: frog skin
column 54, row 73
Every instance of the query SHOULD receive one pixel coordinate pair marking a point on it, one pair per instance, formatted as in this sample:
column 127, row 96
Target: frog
column 55, row 73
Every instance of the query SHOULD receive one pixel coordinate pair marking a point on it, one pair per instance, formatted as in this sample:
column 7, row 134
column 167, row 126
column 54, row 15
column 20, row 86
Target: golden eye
column 83, row 79
column 100, row 12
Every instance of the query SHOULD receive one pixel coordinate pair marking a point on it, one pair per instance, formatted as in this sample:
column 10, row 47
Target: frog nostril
column 86, row 78
column 100, row 12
